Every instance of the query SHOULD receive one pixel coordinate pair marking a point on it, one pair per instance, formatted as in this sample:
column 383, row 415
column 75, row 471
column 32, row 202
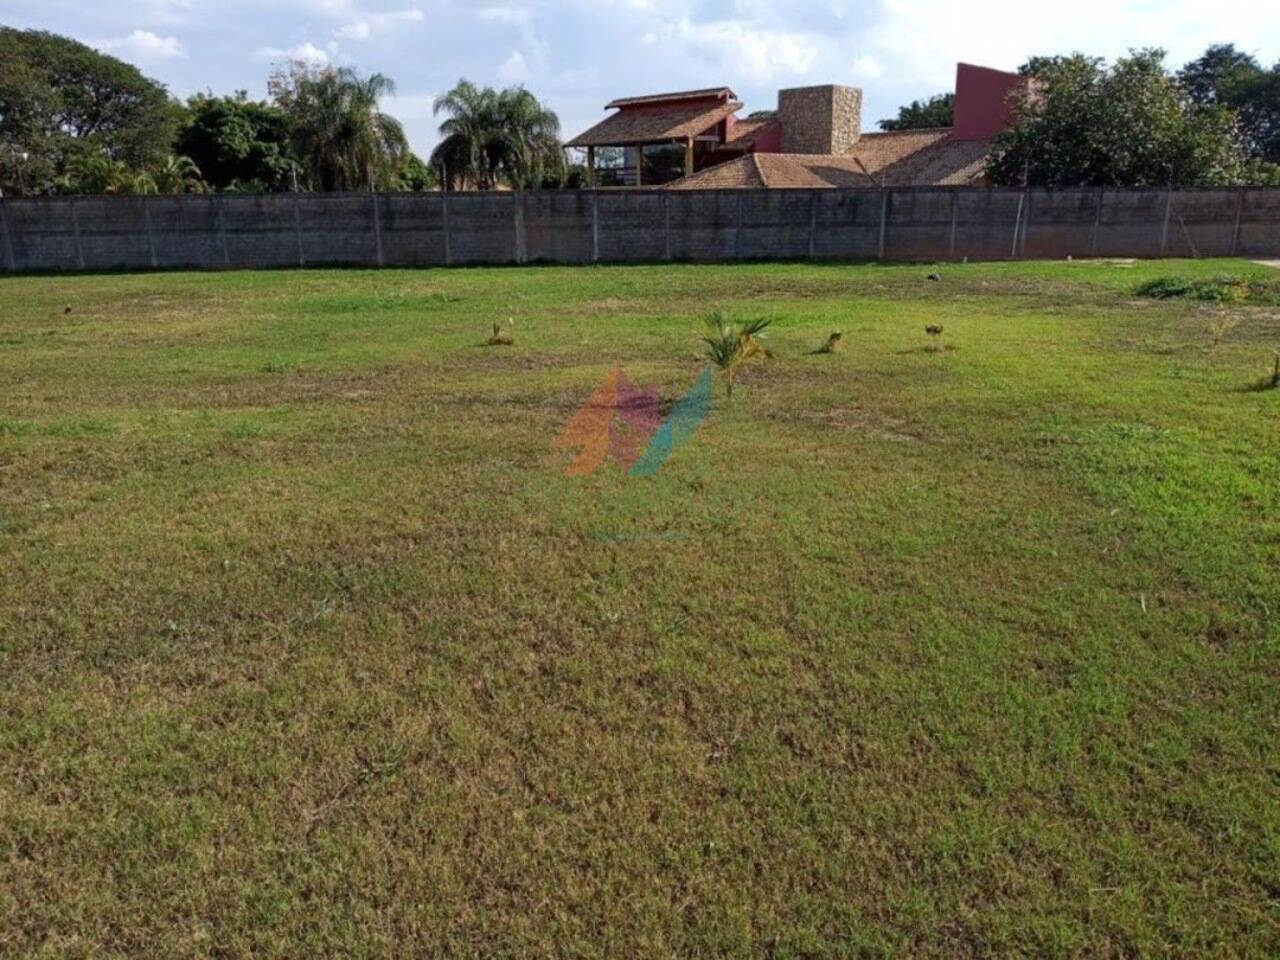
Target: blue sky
column 578, row 54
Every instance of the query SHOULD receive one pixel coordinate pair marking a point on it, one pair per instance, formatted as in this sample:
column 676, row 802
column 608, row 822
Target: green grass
column 308, row 647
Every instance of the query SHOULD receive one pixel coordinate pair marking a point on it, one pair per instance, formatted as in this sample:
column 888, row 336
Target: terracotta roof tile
column 744, row 132
column 723, row 93
column 898, row 159
column 650, row 126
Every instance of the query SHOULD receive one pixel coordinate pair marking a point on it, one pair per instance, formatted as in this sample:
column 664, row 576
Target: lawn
column 935, row 646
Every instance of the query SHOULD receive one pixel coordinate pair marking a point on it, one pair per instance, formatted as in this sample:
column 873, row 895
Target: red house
column 696, row 140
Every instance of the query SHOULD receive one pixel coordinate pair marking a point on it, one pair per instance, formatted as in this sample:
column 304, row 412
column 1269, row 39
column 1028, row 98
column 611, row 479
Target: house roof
column 744, row 132
column 897, row 159
column 678, row 122
column 722, row 93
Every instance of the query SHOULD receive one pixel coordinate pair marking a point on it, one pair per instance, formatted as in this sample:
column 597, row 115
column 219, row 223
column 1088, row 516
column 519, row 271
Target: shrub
column 1224, row 288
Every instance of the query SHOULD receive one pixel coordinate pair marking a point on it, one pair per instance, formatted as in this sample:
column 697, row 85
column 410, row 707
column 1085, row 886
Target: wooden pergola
column 662, row 120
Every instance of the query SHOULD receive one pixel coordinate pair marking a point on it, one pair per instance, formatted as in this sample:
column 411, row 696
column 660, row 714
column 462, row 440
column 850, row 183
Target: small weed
column 281, row 366
column 11, row 427
column 500, row 339
column 1220, row 327
column 832, row 344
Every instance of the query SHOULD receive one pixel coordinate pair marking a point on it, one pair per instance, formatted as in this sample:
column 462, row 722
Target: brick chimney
column 826, row 119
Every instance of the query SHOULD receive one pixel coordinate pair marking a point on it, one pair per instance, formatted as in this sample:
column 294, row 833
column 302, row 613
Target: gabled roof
column 721, row 93
column 897, row 159
column 654, row 126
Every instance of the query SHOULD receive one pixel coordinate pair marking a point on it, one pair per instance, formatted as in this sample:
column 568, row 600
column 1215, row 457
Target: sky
column 576, row 55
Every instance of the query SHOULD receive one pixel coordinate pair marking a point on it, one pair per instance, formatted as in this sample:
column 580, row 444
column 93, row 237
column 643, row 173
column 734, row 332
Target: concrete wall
column 631, row 226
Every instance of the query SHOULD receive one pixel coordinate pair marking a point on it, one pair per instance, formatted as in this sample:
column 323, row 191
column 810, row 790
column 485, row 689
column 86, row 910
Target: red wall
column 982, row 101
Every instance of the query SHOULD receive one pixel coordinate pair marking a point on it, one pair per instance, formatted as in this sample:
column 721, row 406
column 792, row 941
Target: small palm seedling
column 832, row 344
column 934, row 330
column 731, row 346
column 500, row 339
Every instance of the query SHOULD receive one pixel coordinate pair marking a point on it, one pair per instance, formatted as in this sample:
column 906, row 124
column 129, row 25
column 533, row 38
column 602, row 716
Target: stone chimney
column 826, row 119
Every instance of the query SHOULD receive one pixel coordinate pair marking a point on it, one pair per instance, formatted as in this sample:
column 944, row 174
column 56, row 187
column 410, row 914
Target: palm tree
column 530, row 134
column 342, row 140
column 99, row 174
column 731, row 346
column 491, row 137
column 466, row 147
column 177, row 175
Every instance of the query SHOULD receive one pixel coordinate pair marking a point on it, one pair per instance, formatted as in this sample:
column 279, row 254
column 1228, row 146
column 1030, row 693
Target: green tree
column 1130, row 124
column 937, row 111
column 1230, row 77
column 60, row 99
column 235, row 140
column 338, row 135
column 415, row 175
column 497, row 136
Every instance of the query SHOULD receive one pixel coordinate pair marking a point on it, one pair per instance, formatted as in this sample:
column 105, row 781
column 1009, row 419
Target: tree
column 491, row 137
column 1230, row 77
column 415, row 175
column 1083, row 123
column 937, row 111
column 60, row 99
column 235, row 140
column 90, row 174
column 177, row 174
column 339, row 137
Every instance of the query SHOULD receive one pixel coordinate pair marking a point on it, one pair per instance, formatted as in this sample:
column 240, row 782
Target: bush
column 1224, row 288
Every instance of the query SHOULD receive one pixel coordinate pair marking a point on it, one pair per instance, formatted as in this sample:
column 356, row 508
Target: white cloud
column 515, row 69
column 144, row 45
column 506, row 14
column 760, row 53
column 368, row 25
column 306, row 52
column 924, row 39
column 867, row 67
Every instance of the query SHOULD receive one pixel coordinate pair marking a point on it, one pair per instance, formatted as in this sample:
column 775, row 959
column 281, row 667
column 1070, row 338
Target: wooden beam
column 688, row 156
column 639, row 164
column 591, row 166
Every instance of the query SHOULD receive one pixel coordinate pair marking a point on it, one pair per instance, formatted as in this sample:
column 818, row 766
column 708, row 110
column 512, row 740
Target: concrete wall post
column 219, row 203
column 151, row 240
column 666, row 223
column 297, row 229
column 377, row 228
column 75, row 226
column 444, row 225
column 10, row 260
column 951, row 239
column 595, row 227
column 813, row 223
column 1097, row 224
column 1164, row 230
column 1235, row 231
column 884, row 222
column 517, row 214
column 1017, row 225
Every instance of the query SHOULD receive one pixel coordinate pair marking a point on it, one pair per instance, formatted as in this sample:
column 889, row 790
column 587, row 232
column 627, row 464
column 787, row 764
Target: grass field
column 309, row 648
